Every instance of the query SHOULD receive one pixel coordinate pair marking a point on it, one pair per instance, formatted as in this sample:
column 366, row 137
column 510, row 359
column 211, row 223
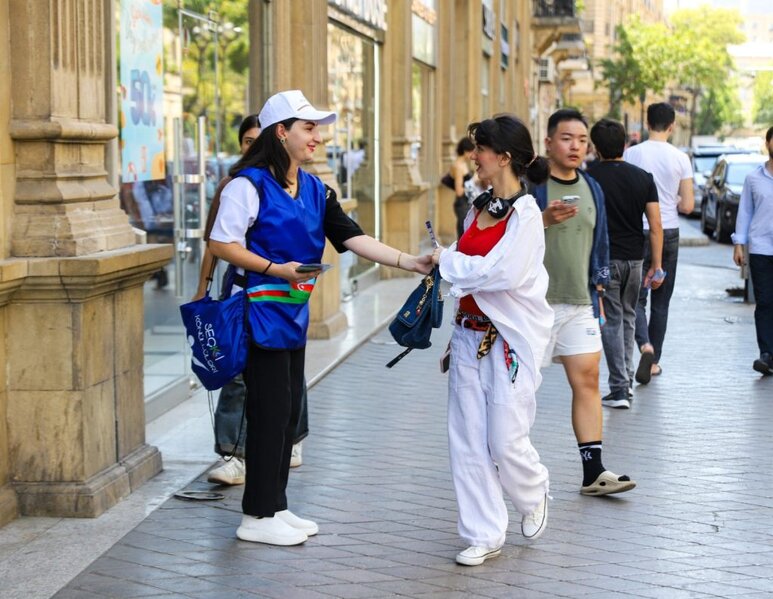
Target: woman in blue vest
column 273, row 218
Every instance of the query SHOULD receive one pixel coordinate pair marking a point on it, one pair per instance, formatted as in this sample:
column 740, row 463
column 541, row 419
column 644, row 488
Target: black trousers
column 761, row 269
column 274, row 382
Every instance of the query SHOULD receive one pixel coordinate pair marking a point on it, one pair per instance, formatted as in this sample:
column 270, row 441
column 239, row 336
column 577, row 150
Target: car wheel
column 707, row 230
column 723, row 236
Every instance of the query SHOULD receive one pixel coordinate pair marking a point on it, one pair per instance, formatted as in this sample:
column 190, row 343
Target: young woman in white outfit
column 502, row 327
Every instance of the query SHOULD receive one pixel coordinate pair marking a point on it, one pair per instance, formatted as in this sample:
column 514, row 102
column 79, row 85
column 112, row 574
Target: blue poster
column 142, row 91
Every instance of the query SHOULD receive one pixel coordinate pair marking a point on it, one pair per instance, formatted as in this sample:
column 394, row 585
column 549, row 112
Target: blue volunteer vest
column 287, row 230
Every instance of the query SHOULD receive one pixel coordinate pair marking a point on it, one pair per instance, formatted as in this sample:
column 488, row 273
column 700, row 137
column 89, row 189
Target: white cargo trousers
column 488, row 431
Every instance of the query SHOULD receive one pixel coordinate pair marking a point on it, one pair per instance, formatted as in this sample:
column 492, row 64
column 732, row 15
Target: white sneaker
column 533, row 525
column 271, row 531
column 307, row 526
column 475, row 556
column 296, row 457
column 230, row 473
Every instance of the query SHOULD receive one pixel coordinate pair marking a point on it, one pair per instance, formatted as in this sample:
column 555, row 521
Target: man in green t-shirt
column 577, row 261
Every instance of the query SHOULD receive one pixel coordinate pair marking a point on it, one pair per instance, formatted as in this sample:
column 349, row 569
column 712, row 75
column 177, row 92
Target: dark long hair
column 267, row 152
column 250, row 122
column 506, row 134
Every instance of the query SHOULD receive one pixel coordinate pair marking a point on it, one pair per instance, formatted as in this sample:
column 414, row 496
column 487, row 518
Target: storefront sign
column 370, row 12
column 142, row 72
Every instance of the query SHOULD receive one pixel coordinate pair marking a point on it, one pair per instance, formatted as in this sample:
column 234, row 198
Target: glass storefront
column 203, row 83
column 423, row 130
column 352, row 152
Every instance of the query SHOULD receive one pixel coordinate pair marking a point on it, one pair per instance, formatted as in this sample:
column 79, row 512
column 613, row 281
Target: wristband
column 265, row 270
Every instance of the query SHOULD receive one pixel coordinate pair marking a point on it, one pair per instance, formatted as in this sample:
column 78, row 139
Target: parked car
column 704, row 159
column 722, row 193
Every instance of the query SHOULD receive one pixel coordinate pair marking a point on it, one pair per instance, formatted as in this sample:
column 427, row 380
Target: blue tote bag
column 218, row 336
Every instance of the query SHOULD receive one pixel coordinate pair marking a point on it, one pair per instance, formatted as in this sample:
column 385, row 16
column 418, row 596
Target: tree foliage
column 201, row 90
column 702, row 63
column 701, row 36
column 689, row 54
column 762, row 107
column 719, row 107
column 640, row 63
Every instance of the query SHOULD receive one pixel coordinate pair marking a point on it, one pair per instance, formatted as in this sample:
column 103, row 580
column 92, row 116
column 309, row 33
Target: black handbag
column 422, row 311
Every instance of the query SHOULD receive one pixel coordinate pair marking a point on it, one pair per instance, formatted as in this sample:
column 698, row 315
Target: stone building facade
column 72, row 275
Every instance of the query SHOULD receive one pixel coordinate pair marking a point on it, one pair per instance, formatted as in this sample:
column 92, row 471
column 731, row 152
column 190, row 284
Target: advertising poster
column 141, row 72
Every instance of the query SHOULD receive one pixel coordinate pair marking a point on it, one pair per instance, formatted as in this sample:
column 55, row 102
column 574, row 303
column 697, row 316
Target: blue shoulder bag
column 422, row 311
column 218, row 336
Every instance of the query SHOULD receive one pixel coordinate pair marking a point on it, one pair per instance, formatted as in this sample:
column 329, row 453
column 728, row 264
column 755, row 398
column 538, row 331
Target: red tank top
column 479, row 242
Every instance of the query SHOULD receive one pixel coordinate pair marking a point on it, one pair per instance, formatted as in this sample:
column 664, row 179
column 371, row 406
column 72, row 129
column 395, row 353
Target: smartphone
column 570, row 200
column 431, row 232
column 445, row 360
column 313, row 267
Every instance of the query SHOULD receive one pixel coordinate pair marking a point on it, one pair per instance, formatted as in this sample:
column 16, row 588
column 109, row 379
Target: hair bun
column 538, row 170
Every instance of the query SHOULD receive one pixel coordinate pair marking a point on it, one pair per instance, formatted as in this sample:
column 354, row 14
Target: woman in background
column 458, row 174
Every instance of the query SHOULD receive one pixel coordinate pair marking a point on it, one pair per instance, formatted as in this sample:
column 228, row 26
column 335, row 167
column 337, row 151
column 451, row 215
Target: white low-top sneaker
column 296, row 457
column 533, row 525
column 271, row 531
column 307, row 526
column 475, row 556
column 230, row 473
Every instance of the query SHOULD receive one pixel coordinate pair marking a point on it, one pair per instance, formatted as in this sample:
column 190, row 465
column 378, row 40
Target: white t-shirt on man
column 669, row 166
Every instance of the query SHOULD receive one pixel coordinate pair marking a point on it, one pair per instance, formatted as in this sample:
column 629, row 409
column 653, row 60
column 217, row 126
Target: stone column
column 74, row 328
column 404, row 189
column 12, row 275
column 445, row 219
column 298, row 55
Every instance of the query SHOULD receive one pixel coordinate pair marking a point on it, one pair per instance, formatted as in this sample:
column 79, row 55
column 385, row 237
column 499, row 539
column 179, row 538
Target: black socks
column 591, row 461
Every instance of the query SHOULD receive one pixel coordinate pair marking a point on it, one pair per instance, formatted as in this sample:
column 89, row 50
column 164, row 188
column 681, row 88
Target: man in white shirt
column 672, row 172
column 754, row 225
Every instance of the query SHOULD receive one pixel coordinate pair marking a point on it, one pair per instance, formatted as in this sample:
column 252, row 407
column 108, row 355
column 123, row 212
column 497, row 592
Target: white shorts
column 575, row 331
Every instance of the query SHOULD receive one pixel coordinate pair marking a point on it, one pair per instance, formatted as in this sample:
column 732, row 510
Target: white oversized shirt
column 668, row 166
column 509, row 284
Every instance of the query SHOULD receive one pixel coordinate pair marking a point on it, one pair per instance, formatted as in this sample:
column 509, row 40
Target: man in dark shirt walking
column 629, row 193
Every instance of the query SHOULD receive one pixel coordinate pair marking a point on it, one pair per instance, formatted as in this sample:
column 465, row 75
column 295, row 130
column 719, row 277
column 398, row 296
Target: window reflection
column 351, row 91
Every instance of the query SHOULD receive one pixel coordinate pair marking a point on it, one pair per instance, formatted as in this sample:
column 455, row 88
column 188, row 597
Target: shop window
column 485, row 84
column 352, row 84
column 423, row 127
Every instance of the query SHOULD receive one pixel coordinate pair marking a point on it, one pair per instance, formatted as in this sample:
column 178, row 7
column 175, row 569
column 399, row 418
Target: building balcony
column 554, row 9
column 552, row 20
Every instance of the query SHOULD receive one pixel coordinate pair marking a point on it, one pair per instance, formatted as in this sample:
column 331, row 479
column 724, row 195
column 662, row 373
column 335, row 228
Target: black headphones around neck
column 495, row 206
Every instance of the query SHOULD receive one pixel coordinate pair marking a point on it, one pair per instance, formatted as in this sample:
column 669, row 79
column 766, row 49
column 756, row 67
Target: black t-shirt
column 627, row 191
column 338, row 227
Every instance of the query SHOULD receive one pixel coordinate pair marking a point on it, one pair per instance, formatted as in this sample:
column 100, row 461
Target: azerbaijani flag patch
column 285, row 293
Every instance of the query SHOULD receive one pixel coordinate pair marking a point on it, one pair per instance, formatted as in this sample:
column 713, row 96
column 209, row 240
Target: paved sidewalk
column 375, row 476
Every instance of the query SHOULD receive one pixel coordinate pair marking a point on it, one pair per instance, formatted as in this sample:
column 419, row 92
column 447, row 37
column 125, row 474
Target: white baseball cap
column 292, row 105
